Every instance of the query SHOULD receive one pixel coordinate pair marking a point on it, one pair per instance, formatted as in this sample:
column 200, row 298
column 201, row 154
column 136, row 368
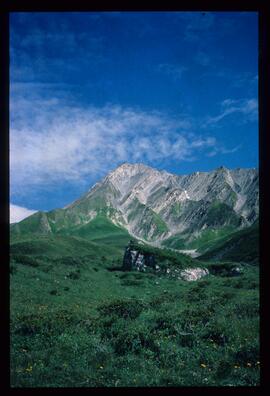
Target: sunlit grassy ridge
column 239, row 246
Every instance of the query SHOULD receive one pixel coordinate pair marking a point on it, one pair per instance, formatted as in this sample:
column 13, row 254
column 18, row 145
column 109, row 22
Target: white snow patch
column 186, row 194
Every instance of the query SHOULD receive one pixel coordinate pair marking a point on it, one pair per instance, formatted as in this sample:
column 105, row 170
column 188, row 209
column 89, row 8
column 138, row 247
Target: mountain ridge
column 155, row 205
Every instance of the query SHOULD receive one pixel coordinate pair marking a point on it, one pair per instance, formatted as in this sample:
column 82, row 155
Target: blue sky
column 88, row 91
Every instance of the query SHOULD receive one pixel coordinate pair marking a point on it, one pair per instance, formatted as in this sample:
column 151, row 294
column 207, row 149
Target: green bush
column 69, row 260
column 247, row 354
column 131, row 282
column 25, row 260
column 54, row 292
column 246, row 309
column 74, row 274
column 123, row 309
column 224, row 369
column 13, row 269
column 130, row 336
column 223, row 269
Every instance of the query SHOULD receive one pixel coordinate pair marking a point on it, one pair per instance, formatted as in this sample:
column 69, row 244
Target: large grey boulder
column 134, row 259
column 193, row 274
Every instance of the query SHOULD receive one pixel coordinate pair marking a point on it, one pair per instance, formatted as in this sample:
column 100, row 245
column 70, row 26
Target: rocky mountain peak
column 155, row 205
column 222, row 169
column 131, row 167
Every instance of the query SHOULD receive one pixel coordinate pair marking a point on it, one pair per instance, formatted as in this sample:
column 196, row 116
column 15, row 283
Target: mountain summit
column 158, row 206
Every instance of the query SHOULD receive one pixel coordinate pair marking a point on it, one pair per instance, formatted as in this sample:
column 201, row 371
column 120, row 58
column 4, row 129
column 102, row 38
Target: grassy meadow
column 77, row 320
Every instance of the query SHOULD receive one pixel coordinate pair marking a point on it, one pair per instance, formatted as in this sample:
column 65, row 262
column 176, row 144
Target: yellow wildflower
column 203, row 365
column 249, row 364
column 29, row 369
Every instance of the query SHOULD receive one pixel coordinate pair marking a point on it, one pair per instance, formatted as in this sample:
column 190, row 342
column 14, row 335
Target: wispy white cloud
column 248, row 108
column 18, row 213
column 55, row 143
column 222, row 150
column 43, row 54
column 245, row 79
column 230, row 151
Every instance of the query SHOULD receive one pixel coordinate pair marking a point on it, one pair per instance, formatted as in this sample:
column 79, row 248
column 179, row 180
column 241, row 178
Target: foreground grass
column 74, row 323
column 77, row 323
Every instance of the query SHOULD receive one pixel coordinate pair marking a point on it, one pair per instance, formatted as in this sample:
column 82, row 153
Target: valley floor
column 192, row 252
column 82, row 324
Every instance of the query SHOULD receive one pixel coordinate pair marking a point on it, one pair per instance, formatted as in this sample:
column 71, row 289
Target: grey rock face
column 136, row 260
column 193, row 274
column 154, row 205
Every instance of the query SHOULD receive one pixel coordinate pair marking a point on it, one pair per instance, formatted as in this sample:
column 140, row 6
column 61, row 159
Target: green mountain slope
column 57, row 246
column 153, row 205
column 58, row 222
column 203, row 241
column 101, row 230
column 241, row 246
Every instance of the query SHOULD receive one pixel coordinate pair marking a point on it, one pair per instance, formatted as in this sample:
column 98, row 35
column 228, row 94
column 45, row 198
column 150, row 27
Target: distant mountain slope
column 56, row 246
column 240, row 246
column 46, row 251
column 155, row 206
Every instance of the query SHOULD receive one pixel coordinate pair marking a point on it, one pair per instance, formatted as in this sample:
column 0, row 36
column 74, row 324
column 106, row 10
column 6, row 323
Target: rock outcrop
column 134, row 259
column 193, row 274
column 140, row 260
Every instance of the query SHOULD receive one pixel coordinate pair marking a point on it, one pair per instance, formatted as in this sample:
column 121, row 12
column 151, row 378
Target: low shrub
column 224, row 369
column 25, row 260
column 70, row 261
column 131, row 282
column 54, row 292
column 13, row 269
column 216, row 335
column 223, row 269
column 198, row 314
column 74, row 275
column 130, row 309
column 165, row 323
column 247, row 354
column 246, row 309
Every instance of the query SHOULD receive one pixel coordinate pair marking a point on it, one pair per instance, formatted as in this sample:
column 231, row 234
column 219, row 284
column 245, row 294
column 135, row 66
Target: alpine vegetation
column 110, row 283
column 134, row 199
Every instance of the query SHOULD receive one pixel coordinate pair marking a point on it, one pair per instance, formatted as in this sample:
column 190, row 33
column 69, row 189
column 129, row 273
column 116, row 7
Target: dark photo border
column 264, row 172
